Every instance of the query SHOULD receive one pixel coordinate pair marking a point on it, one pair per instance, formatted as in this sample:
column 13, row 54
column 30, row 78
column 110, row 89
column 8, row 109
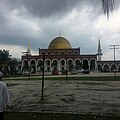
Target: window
column 76, row 52
column 49, row 53
column 69, row 52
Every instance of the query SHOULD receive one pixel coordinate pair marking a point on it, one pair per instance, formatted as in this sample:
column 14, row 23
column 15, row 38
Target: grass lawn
column 38, row 116
column 91, row 78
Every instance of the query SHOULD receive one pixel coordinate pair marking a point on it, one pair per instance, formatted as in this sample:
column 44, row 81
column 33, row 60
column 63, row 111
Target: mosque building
column 60, row 56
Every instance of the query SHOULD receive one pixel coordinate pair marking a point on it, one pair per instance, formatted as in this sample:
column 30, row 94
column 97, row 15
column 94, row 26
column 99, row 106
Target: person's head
column 1, row 75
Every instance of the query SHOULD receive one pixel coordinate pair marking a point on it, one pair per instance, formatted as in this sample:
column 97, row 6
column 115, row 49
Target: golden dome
column 59, row 43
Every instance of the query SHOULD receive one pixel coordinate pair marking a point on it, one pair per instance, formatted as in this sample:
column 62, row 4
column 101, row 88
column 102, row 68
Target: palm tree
column 108, row 6
column 4, row 58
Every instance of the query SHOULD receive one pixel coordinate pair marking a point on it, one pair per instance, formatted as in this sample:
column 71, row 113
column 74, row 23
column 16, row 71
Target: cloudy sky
column 82, row 22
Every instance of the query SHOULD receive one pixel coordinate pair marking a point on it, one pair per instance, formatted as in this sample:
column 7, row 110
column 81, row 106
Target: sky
column 38, row 22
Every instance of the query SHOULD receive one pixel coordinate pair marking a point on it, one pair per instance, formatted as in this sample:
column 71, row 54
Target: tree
column 8, row 64
column 4, row 58
column 12, row 65
column 108, row 6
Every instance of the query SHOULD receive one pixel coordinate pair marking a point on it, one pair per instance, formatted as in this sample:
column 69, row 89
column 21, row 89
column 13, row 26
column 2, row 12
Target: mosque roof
column 59, row 43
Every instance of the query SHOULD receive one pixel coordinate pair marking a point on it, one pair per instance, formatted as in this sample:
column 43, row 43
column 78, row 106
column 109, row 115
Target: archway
column 39, row 65
column 85, row 64
column 78, row 64
column 119, row 68
column 99, row 68
column 32, row 66
column 70, row 65
column 106, row 68
column 92, row 65
column 48, row 65
column 113, row 67
column 25, row 67
column 62, row 64
column 54, row 64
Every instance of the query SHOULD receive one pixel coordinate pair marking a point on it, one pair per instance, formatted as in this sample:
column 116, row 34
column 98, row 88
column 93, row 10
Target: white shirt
column 4, row 96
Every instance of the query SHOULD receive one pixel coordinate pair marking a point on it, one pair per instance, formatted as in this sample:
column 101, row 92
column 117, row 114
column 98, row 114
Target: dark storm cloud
column 3, row 19
column 54, row 8
column 43, row 8
column 47, row 8
column 19, row 20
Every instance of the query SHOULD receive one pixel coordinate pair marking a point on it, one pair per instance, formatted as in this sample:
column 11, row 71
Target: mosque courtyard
column 74, row 96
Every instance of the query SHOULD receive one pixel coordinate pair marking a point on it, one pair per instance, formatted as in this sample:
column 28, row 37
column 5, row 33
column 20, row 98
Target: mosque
column 61, row 56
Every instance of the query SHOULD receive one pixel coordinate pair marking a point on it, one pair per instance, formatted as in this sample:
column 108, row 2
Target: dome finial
column 59, row 33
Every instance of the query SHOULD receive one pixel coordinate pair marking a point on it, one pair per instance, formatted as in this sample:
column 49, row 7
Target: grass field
column 38, row 116
column 91, row 78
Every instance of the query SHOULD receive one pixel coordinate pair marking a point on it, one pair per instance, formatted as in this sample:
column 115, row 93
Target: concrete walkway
column 97, row 97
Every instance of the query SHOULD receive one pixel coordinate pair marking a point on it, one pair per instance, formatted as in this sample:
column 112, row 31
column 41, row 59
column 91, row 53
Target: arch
column 24, row 61
column 69, row 59
column 33, row 66
column 49, row 52
column 54, row 60
column 62, row 52
column 47, row 60
column 62, row 64
column 69, row 52
column 78, row 59
column 39, row 61
column 85, row 59
column 106, row 67
column 25, row 65
column 70, row 64
column 48, row 65
column 42, row 52
column 76, row 52
column 106, row 64
column 113, row 67
column 62, row 59
column 93, row 59
column 92, row 64
column 32, row 61
column 55, row 52
column 54, row 64
column 119, row 68
column 99, row 67
column 78, row 63
column 85, row 63
column 39, row 65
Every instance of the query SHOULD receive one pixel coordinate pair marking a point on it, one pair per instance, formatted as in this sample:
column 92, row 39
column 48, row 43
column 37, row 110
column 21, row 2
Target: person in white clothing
column 4, row 97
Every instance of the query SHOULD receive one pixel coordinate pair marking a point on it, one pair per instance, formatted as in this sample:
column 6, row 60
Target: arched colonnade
column 55, row 64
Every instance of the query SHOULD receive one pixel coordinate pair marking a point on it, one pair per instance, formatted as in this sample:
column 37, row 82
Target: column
column 59, row 69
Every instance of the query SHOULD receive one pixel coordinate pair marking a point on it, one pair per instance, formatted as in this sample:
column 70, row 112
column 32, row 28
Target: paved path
column 99, row 97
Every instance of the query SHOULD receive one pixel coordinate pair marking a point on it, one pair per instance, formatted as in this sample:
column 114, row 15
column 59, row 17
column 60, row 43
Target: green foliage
column 108, row 6
column 7, row 64
column 63, row 78
column 4, row 58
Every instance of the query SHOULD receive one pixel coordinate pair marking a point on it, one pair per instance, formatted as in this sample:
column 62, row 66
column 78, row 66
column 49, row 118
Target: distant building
column 61, row 56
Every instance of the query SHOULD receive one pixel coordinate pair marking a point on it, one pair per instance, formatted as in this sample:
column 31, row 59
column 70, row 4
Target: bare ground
column 77, row 97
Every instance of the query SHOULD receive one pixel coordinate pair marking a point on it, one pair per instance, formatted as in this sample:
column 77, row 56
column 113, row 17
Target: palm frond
column 108, row 6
